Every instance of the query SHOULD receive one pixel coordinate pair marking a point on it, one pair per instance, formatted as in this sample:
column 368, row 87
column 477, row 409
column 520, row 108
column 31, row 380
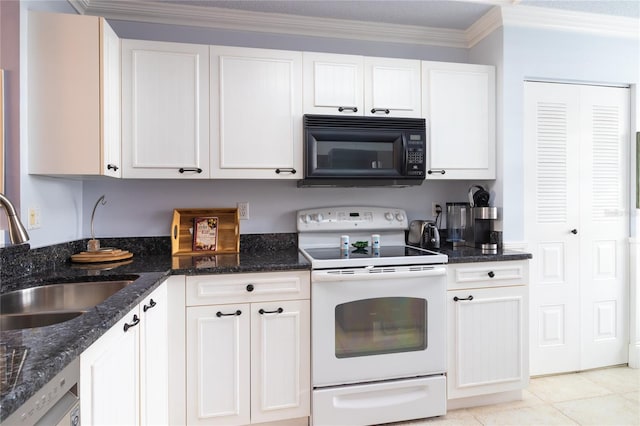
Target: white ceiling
column 453, row 14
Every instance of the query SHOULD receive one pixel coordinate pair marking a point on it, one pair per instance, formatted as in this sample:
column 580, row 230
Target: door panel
column 576, row 184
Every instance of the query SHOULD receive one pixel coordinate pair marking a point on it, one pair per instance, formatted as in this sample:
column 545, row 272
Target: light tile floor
column 609, row 396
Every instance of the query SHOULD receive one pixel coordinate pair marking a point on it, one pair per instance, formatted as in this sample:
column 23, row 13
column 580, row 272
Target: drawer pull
column 491, row 274
column 375, row 110
column 135, row 322
column 151, row 304
column 250, row 287
column 354, row 109
column 277, row 311
column 430, row 172
column 292, row 171
column 184, row 169
column 112, row 167
column 236, row 314
column 456, row 298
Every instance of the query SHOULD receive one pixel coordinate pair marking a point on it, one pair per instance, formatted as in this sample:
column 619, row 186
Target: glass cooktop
column 367, row 252
column 334, row 257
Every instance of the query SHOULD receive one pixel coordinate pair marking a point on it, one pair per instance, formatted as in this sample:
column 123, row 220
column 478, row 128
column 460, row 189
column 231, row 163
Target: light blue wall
column 550, row 55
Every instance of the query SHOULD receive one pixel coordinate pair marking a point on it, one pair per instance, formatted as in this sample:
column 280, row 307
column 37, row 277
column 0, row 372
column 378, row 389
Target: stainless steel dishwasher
column 56, row 404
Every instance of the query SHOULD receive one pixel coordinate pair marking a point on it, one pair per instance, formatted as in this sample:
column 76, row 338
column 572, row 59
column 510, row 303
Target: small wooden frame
column 183, row 228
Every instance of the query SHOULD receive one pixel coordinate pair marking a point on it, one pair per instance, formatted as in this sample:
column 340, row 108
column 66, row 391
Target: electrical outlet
column 243, row 210
column 435, row 209
column 34, row 221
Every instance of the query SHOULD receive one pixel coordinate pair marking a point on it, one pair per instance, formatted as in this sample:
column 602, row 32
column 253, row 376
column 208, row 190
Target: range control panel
column 349, row 218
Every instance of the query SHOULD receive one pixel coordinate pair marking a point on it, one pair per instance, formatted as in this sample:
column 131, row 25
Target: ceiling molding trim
column 488, row 23
column 80, row 6
column 563, row 20
column 240, row 20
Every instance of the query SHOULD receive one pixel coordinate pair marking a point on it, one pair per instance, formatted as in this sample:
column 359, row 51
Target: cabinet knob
column 135, row 322
column 184, row 169
column 456, row 298
column 233, row 314
column 292, row 171
column 151, row 304
column 354, row 109
column 574, row 231
column 112, row 167
column 491, row 274
column 430, row 172
column 375, row 110
column 250, row 287
column 277, row 311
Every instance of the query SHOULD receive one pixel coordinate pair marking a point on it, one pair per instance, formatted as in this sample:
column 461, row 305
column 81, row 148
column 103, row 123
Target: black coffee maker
column 481, row 219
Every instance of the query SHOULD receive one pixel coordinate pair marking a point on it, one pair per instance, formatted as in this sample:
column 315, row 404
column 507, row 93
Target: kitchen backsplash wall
column 145, row 207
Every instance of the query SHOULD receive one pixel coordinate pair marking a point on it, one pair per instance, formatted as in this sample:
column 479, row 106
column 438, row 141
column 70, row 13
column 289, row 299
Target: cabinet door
column 392, row 87
column 74, row 100
column 280, row 358
column 165, row 115
column 487, row 341
column 218, row 376
column 256, row 113
column 154, row 362
column 458, row 101
column 110, row 95
column 333, row 84
column 109, row 376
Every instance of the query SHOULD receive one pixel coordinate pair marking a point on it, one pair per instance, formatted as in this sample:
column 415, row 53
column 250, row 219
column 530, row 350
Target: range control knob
column 399, row 217
column 388, row 216
column 319, row 217
column 305, row 218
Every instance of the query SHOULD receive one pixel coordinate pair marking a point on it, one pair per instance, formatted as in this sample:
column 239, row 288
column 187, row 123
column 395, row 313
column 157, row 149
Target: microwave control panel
column 415, row 160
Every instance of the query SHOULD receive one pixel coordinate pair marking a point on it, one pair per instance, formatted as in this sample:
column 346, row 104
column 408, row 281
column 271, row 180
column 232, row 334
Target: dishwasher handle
column 379, row 273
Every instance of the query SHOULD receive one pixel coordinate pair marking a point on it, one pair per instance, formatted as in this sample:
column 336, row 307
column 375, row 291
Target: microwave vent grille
column 328, row 121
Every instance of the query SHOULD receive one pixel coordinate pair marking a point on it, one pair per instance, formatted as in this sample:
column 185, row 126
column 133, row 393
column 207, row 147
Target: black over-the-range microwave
column 363, row 151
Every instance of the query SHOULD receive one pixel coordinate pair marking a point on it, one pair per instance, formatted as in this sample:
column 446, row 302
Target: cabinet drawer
column 487, row 274
column 239, row 288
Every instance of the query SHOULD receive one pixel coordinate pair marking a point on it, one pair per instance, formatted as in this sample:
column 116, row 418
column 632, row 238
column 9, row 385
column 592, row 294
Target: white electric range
column 378, row 315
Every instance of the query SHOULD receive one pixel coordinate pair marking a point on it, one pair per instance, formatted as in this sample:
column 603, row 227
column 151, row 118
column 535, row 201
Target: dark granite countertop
column 50, row 349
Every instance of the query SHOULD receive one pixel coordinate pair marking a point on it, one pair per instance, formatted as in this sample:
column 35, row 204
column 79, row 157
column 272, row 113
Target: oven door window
column 358, row 153
column 380, row 326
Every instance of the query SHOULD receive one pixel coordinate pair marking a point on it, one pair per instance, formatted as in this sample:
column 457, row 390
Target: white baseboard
column 476, row 401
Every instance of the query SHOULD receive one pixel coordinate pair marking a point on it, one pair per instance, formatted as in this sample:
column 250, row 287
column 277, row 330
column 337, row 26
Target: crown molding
column 565, row 20
column 241, row 20
column 504, row 13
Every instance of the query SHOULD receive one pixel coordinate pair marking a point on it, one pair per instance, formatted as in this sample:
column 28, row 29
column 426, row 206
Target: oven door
column 377, row 323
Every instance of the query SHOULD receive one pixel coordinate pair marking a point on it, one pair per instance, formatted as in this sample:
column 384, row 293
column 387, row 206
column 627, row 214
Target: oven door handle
column 376, row 274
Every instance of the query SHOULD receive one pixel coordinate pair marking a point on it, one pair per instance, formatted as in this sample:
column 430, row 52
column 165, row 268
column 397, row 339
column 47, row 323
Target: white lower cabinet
column 487, row 330
column 124, row 374
column 248, row 362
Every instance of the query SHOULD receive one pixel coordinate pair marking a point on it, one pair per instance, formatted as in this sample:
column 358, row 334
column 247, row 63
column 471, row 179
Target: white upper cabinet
column 165, row 110
column 256, row 113
column 392, row 87
column 333, row 84
column 357, row 85
column 74, row 99
column 458, row 101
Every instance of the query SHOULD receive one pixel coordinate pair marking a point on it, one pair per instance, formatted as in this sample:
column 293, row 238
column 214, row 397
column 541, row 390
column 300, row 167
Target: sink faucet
column 17, row 233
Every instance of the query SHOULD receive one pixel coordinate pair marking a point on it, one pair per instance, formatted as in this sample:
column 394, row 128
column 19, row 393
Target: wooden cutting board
column 110, row 255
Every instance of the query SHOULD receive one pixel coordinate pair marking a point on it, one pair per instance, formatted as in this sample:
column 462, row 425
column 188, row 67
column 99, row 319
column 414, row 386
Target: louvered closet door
column 575, row 184
column 604, row 222
column 551, row 198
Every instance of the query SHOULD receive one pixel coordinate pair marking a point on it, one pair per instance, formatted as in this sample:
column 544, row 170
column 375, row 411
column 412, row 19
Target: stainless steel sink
column 53, row 303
